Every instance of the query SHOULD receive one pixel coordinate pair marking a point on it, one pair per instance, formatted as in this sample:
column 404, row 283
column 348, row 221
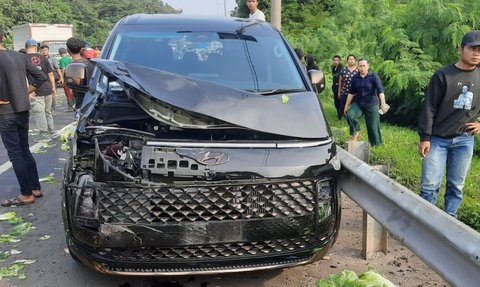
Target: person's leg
column 69, row 96
column 341, row 107
column 11, row 141
column 336, row 100
column 49, row 113
column 372, row 120
column 22, row 125
column 37, row 107
column 433, row 166
column 458, row 163
column 354, row 113
column 78, row 99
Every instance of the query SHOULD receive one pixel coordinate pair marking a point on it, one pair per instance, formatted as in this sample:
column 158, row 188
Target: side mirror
column 75, row 77
column 317, row 79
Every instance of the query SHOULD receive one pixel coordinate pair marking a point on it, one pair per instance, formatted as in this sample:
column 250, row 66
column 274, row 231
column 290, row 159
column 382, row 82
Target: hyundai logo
column 212, row 158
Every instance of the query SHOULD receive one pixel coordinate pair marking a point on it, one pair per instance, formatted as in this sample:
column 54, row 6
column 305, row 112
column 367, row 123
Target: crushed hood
column 297, row 115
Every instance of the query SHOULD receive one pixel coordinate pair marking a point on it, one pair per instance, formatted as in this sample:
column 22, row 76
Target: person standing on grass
column 255, row 13
column 344, row 80
column 14, row 120
column 447, row 124
column 365, row 97
column 336, row 69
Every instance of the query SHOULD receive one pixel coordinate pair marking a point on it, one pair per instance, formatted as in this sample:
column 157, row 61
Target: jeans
column 14, row 133
column 41, row 109
column 372, row 120
column 454, row 153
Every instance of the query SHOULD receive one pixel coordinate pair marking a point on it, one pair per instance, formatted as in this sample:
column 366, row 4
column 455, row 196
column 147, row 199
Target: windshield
column 259, row 63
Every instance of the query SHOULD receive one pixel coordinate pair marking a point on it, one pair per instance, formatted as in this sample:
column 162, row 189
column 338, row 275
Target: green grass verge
column 399, row 153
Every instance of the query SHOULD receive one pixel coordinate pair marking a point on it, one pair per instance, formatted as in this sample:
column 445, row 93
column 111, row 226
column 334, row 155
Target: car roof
column 191, row 22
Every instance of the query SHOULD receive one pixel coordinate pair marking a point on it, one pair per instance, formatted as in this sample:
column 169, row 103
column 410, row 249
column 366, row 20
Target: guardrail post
column 374, row 235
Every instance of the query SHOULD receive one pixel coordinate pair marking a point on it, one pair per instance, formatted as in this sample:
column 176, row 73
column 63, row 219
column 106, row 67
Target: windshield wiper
column 280, row 91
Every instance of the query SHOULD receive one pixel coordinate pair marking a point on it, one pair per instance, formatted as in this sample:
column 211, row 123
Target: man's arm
column 51, row 78
column 340, row 79
column 381, row 94
column 347, row 103
column 433, row 95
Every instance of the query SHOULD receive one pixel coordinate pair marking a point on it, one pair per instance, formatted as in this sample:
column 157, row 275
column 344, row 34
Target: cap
column 31, row 42
column 471, row 39
column 62, row 51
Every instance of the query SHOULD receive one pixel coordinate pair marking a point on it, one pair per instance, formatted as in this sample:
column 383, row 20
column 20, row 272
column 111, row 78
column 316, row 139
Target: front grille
column 174, row 204
column 220, row 251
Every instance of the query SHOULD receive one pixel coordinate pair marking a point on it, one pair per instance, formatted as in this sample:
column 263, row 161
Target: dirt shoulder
column 399, row 265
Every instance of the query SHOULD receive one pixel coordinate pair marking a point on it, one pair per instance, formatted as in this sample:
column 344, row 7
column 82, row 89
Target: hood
column 294, row 114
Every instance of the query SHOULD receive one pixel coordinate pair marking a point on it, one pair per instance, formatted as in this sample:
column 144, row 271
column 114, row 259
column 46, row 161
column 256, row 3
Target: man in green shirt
column 62, row 64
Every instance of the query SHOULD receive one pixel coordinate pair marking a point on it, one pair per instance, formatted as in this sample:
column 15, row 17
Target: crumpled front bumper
column 206, row 229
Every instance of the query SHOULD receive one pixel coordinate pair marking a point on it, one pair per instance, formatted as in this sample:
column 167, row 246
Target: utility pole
column 225, row 7
column 276, row 13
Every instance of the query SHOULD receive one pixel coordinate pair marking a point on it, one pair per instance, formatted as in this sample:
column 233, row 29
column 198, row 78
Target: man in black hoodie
column 14, row 117
column 447, row 124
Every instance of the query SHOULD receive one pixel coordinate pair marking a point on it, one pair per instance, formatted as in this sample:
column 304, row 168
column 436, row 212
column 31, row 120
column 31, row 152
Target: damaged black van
column 201, row 148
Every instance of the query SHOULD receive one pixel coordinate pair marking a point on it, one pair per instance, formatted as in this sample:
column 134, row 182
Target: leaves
column 348, row 278
column 13, row 270
column 18, row 231
column 7, row 215
column 44, row 237
column 49, row 178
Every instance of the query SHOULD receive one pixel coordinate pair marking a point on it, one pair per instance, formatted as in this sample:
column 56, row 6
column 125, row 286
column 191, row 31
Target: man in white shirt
column 255, row 13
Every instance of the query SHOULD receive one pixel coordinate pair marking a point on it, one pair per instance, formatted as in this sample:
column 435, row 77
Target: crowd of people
column 28, row 86
column 447, row 122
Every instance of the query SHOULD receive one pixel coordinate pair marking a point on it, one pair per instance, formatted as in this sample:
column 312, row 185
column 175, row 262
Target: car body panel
column 299, row 116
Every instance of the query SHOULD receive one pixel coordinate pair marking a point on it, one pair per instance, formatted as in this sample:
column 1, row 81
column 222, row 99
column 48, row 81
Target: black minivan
column 201, row 148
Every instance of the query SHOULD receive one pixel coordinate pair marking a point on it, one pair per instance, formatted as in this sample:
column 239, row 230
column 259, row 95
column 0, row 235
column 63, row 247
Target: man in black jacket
column 447, row 124
column 14, row 117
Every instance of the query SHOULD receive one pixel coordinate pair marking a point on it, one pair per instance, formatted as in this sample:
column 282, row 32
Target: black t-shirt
column 14, row 68
column 452, row 99
column 42, row 64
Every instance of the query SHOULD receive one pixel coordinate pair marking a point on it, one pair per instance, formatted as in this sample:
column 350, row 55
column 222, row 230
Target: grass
column 399, row 152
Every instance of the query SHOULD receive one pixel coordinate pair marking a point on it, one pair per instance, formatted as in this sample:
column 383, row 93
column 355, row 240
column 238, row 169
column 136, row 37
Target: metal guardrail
column 448, row 246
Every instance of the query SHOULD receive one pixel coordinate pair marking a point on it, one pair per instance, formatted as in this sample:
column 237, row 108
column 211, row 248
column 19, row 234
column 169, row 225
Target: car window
column 259, row 63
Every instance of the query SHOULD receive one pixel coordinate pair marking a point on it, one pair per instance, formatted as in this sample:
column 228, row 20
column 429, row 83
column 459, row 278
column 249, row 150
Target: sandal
column 16, row 201
column 37, row 193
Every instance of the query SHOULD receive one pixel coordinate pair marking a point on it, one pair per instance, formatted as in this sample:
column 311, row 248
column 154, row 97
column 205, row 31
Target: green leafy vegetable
column 44, row 237
column 348, row 278
column 13, row 270
column 49, row 178
column 7, row 215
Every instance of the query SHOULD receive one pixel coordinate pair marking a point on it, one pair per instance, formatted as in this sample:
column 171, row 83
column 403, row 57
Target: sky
column 203, row 7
